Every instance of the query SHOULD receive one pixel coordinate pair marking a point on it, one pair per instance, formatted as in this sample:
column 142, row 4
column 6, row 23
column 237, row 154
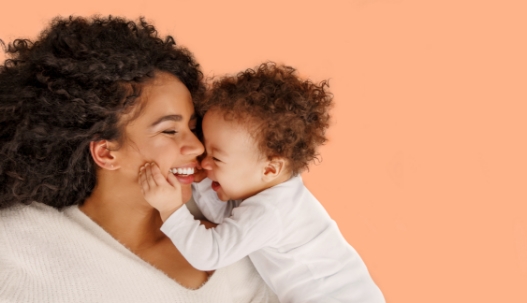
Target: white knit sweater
column 63, row 256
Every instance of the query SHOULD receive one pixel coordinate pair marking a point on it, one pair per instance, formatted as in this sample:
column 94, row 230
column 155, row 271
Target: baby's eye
column 170, row 132
column 216, row 159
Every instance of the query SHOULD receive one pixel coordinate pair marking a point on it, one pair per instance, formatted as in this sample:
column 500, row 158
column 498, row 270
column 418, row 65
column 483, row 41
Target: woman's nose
column 193, row 146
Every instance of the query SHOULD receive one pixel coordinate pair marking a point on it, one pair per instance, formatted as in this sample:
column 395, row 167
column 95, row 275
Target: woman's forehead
column 165, row 95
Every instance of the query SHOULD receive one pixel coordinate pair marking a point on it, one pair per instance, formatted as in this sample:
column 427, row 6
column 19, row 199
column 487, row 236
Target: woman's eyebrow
column 176, row 118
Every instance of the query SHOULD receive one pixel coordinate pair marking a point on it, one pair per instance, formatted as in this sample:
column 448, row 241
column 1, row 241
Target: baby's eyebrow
column 217, row 150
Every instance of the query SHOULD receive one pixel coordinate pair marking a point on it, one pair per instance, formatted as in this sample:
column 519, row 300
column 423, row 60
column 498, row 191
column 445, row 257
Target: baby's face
column 233, row 161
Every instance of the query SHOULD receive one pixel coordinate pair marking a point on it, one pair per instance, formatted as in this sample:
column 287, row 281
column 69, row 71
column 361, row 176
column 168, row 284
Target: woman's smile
column 164, row 132
column 185, row 175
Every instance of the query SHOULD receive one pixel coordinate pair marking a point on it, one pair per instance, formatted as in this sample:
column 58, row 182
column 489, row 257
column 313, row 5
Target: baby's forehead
column 228, row 119
column 222, row 130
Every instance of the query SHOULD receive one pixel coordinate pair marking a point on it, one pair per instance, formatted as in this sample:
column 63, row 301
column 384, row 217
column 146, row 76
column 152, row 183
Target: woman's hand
column 163, row 194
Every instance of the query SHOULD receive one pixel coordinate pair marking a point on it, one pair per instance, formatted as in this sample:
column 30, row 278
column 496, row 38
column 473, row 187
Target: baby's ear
column 274, row 168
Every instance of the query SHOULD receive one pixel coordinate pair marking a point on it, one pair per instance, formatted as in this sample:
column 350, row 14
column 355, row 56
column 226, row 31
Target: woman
column 81, row 109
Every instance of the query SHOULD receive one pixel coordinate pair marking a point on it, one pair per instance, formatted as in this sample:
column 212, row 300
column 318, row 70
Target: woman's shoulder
column 33, row 214
column 22, row 225
column 27, row 222
column 20, row 208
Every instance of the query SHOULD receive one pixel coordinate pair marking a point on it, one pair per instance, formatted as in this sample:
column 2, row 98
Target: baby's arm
column 163, row 194
column 209, row 204
column 252, row 226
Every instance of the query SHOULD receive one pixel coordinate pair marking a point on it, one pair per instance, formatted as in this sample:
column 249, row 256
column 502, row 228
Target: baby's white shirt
column 290, row 238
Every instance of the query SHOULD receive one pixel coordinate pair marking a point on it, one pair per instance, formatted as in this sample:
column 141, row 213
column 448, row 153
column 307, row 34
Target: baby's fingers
column 173, row 180
column 142, row 180
column 159, row 179
column 149, row 177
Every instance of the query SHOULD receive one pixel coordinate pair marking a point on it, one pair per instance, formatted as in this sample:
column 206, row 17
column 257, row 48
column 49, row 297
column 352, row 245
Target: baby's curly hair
column 70, row 87
column 287, row 116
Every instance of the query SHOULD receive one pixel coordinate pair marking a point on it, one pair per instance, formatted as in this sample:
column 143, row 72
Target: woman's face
column 163, row 132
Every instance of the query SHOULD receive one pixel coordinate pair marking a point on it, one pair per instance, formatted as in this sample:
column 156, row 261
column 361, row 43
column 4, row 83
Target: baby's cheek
column 223, row 196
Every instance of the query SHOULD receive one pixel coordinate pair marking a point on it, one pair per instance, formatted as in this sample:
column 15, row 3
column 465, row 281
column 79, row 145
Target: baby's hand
column 163, row 194
column 199, row 173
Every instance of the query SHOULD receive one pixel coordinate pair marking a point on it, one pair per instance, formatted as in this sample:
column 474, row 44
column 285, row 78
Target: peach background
column 426, row 165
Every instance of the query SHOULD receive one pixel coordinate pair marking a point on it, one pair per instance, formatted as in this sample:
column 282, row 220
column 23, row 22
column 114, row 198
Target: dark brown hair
column 287, row 116
column 68, row 88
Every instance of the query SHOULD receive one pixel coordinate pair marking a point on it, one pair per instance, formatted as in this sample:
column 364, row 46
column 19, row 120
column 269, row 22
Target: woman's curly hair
column 68, row 88
column 287, row 116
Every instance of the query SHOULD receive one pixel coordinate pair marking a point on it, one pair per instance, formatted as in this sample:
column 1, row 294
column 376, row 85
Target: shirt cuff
column 176, row 218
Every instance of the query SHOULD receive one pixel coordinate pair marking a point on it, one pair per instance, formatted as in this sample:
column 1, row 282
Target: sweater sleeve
column 252, row 226
column 208, row 202
column 5, row 263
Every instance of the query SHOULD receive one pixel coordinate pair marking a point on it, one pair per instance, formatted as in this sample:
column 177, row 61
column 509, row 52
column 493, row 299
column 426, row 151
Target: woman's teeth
column 183, row 171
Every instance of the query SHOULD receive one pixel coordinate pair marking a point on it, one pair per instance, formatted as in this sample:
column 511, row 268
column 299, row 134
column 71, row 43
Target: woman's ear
column 102, row 153
column 273, row 169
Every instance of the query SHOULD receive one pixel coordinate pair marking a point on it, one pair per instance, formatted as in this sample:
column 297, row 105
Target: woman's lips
column 185, row 179
column 185, row 174
column 215, row 186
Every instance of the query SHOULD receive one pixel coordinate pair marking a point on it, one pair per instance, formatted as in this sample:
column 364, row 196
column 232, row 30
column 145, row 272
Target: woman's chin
column 186, row 192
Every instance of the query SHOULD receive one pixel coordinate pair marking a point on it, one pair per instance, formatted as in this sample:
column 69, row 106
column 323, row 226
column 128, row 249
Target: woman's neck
column 122, row 212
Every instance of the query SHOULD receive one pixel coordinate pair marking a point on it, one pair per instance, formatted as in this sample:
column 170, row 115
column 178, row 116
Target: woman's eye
column 170, row 132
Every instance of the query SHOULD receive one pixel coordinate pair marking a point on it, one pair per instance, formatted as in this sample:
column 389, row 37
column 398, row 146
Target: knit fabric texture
column 48, row 255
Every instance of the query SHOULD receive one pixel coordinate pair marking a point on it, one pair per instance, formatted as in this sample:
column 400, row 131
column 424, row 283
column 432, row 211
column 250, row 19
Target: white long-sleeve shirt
column 288, row 235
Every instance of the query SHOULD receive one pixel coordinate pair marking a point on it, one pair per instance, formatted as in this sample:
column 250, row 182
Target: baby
column 261, row 129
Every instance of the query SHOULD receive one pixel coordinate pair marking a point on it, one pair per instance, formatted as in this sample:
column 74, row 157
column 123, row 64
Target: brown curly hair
column 287, row 116
column 70, row 87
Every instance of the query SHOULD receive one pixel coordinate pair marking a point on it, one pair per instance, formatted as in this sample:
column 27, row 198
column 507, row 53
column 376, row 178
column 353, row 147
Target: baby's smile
column 215, row 185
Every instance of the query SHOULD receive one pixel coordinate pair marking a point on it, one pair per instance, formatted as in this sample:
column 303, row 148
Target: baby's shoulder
column 287, row 194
